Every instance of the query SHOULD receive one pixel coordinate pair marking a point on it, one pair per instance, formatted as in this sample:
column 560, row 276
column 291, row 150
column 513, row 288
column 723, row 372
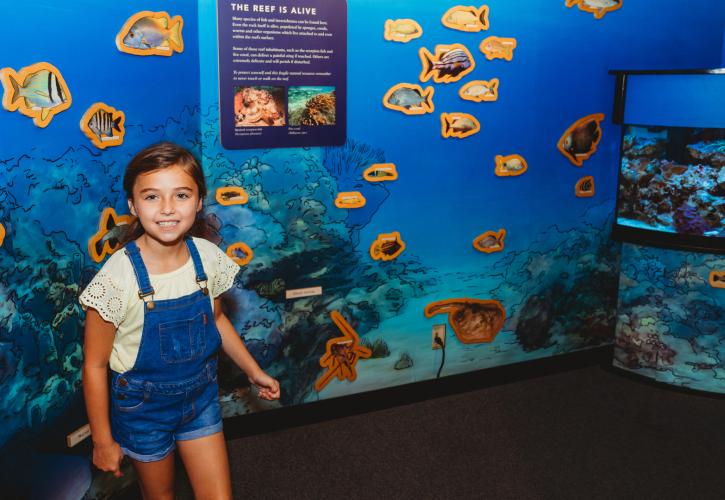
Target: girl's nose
column 167, row 208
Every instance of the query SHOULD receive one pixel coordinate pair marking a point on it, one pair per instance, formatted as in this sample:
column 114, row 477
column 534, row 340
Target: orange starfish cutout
column 342, row 354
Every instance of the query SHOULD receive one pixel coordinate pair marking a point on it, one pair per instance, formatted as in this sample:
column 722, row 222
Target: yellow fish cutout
column 585, row 187
column 490, row 241
column 103, row 125
column 448, row 63
column 149, row 33
column 108, row 237
column 402, row 30
column 480, row 90
column 380, row 172
column 231, row 195
column 350, row 199
column 240, row 253
column 37, row 91
column 596, row 7
column 341, row 354
column 580, row 140
column 473, row 320
column 495, row 47
column 410, row 99
column 458, row 125
column 387, row 246
column 466, row 18
column 510, row 165
column 2, row 234
column 717, row 279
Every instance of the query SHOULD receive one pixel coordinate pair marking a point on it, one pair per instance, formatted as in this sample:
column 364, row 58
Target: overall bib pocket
column 128, row 400
column 182, row 341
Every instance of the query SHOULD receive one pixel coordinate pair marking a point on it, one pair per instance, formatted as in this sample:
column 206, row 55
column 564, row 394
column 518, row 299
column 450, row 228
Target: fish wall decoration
column 584, row 187
column 107, row 240
column 409, row 98
column 387, row 246
column 381, row 172
column 341, row 354
column 480, row 91
column 37, row 91
column 448, row 63
column 2, row 234
column 240, row 253
column 717, row 279
column 402, row 30
column 466, row 18
column 596, row 7
column 103, row 125
column 510, row 165
column 579, row 142
column 473, row 320
column 458, row 125
column 490, row 241
column 231, row 195
column 350, row 199
column 149, row 33
column 495, row 47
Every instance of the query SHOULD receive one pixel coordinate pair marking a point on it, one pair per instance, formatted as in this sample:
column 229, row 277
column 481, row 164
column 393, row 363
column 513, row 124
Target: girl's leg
column 156, row 478
column 207, row 465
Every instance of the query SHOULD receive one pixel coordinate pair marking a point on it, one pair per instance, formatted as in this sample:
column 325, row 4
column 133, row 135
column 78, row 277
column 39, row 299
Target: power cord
column 438, row 341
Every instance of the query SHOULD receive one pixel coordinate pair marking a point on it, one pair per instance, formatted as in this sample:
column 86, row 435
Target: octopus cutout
column 149, row 33
column 510, row 165
column 103, row 125
column 466, row 18
column 350, row 199
column 596, row 7
column 473, row 320
column 410, row 99
column 490, row 241
column 495, row 47
column 448, row 63
column 480, row 90
column 580, row 140
column 111, row 228
column 231, row 195
column 240, row 253
column 459, row 125
column 387, row 246
column 717, row 279
column 402, row 30
column 38, row 91
column 381, row 172
column 585, row 187
column 341, row 354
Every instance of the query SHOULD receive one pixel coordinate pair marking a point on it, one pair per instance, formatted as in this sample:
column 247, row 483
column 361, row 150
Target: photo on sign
column 312, row 106
column 259, row 106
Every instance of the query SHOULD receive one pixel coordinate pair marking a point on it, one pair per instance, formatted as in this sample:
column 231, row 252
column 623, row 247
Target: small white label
column 78, row 435
column 303, row 292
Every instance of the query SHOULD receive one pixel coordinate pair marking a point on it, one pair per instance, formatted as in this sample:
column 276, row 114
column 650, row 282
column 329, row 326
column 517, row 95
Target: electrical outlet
column 78, row 435
column 440, row 332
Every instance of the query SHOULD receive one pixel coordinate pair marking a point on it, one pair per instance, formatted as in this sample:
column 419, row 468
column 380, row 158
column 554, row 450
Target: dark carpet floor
column 587, row 433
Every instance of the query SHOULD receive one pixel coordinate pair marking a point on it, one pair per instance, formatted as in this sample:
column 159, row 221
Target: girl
column 154, row 315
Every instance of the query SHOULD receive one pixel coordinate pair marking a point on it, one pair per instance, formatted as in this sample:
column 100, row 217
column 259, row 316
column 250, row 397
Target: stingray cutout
column 473, row 19
column 13, row 81
column 598, row 12
column 173, row 23
column 579, row 142
column 510, row 165
column 240, row 253
column 402, row 30
column 341, row 354
column 118, row 118
column 451, row 123
column 474, row 321
column 490, row 95
column 494, row 47
column 426, row 94
column 107, row 239
column 428, row 61
column 231, row 195
column 381, row 172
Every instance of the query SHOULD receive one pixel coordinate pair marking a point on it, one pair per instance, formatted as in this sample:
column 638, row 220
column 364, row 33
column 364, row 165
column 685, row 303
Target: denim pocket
column 182, row 340
column 126, row 400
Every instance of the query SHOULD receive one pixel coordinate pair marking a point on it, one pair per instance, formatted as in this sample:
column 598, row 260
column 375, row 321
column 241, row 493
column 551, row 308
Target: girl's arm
column 235, row 349
column 97, row 347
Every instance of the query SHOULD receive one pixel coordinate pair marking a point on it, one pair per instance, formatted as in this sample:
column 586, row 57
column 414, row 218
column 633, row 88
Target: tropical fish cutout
column 111, row 228
column 231, row 195
column 103, row 125
column 495, row 47
column 350, row 199
column 585, row 187
column 466, row 18
column 473, row 320
column 717, row 279
column 37, row 91
column 480, row 90
column 510, row 165
column 402, row 30
column 341, row 354
column 149, row 33
column 410, row 99
column 490, row 241
column 240, row 253
column 380, row 172
column 596, row 7
column 580, row 141
column 387, row 246
column 2, row 234
column 449, row 63
column 458, row 125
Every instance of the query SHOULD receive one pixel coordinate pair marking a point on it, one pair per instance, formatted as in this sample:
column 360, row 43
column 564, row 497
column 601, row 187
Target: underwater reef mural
column 149, row 33
column 597, row 7
column 38, row 91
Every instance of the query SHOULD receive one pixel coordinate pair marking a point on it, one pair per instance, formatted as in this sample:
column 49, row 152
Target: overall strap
column 201, row 277
column 142, row 276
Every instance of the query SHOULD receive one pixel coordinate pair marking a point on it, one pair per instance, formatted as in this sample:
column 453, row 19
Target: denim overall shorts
column 171, row 393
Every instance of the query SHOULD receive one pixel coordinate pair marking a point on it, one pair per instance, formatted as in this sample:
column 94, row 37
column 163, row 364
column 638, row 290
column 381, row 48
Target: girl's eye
column 182, row 196
column 150, row 197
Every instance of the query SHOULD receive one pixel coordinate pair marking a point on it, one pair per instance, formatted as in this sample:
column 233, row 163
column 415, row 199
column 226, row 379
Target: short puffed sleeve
column 220, row 267
column 106, row 294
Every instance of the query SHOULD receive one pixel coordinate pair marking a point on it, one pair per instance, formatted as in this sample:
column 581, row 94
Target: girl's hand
column 267, row 386
column 107, row 457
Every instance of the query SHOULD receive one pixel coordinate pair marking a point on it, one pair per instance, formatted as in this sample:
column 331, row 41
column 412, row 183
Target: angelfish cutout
column 99, row 121
column 402, row 97
column 154, row 34
column 490, row 241
column 466, row 18
column 350, row 199
column 590, row 6
column 402, row 30
column 380, row 172
column 473, row 320
column 495, row 47
column 480, row 90
column 581, row 139
column 231, row 195
column 585, row 187
column 240, row 253
column 717, row 279
column 108, row 237
column 459, row 125
column 387, row 246
column 37, row 91
column 341, row 354
column 510, row 165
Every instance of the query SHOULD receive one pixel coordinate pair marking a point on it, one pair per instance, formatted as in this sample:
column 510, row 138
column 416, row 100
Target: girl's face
column 166, row 202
